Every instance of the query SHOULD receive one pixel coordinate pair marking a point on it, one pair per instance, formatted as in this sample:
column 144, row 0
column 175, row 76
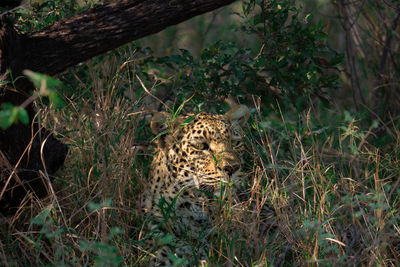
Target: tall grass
column 318, row 190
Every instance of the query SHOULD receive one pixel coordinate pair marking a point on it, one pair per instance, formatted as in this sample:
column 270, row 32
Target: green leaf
column 8, row 115
column 56, row 100
column 158, row 135
column 23, row 116
column 347, row 116
column 4, row 119
column 308, row 17
column 93, row 206
column 167, row 239
column 178, row 261
column 7, row 106
column 40, row 219
column 44, row 82
column 46, row 85
column 188, row 120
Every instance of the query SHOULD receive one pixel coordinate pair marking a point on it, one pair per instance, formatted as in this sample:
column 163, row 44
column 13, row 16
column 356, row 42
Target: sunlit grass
column 317, row 190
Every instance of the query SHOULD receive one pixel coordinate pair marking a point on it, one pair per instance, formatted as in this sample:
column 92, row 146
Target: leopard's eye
column 201, row 146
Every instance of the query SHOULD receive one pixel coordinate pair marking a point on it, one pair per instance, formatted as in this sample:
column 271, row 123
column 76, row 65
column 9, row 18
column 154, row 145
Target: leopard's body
column 195, row 155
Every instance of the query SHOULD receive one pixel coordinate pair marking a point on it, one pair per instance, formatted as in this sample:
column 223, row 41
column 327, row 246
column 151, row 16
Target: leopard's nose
column 231, row 169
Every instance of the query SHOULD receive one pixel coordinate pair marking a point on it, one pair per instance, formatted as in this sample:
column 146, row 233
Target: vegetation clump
column 322, row 142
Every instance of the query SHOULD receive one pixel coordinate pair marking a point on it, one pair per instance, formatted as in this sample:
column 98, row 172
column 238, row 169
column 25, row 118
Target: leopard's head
column 202, row 150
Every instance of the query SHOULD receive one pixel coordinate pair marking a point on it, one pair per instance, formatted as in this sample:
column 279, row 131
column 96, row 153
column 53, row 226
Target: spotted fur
column 195, row 155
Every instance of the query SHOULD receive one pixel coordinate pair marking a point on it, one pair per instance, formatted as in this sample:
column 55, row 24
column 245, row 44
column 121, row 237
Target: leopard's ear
column 159, row 127
column 161, row 122
column 239, row 114
column 165, row 130
column 158, row 123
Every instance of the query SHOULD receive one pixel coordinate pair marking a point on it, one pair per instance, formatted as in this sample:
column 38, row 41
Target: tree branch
column 53, row 50
column 104, row 28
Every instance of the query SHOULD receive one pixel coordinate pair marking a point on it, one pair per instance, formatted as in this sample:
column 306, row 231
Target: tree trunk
column 106, row 27
column 51, row 51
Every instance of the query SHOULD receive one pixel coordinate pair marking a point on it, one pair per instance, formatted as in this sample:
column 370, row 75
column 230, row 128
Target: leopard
column 197, row 157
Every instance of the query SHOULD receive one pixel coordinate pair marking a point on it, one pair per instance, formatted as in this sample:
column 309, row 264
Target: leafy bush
column 334, row 190
column 292, row 62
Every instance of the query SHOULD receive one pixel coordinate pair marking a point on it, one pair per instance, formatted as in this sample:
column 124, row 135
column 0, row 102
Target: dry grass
column 334, row 194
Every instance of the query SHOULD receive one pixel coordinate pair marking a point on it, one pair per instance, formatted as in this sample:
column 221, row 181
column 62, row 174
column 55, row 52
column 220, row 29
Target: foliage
column 293, row 61
column 294, row 57
column 10, row 114
column 46, row 85
column 332, row 183
column 34, row 15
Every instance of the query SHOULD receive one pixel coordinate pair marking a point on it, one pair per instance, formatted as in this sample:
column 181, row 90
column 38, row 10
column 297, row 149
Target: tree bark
column 106, row 27
column 51, row 51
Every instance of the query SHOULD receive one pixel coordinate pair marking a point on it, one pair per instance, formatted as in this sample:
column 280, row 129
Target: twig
column 150, row 94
